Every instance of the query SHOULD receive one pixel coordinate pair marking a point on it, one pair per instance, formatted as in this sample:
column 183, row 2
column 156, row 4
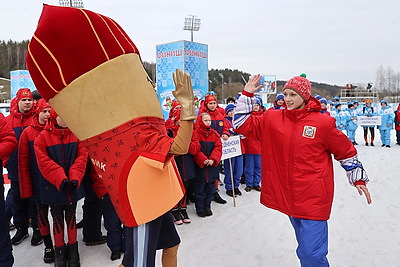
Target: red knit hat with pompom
column 301, row 85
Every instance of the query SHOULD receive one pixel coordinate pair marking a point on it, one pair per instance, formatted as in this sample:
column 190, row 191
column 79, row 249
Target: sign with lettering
column 231, row 147
column 20, row 79
column 188, row 56
column 369, row 120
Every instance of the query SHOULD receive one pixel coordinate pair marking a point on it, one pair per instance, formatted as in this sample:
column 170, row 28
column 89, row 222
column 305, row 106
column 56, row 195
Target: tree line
column 12, row 56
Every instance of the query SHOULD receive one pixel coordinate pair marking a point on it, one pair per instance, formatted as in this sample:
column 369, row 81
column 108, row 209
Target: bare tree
column 388, row 83
column 380, row 83
column 390, row 79
column 397, row 86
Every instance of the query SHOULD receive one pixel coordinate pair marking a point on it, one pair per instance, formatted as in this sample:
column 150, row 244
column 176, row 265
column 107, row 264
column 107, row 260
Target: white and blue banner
column 20, row 79
column 231, row 147
column 191, row 58
column 369, row 120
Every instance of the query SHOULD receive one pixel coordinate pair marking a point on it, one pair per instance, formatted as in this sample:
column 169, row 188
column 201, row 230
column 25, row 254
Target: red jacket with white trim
column 297, row 169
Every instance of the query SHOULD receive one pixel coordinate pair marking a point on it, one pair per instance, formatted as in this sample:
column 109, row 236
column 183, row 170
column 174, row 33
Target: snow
column 252, row 235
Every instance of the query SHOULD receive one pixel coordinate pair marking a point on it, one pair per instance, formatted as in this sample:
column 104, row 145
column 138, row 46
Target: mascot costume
column 91, row 73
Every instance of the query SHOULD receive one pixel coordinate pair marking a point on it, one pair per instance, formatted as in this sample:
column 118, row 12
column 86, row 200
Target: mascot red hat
column 94, row 79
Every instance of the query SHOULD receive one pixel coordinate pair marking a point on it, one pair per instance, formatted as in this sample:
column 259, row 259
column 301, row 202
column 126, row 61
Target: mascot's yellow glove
column 184, row 94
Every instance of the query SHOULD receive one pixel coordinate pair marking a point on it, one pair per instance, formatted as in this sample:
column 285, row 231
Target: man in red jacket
column 297, row 169
column 21, row 115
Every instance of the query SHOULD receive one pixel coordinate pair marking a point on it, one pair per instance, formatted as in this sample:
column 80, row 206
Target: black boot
column 48, row 256
column 73, row 255
column 218, row 198
column 20, row 235
column 257, row 188
column 36, row 238
column 229, row 193
column 115, row 255
column 248, row 188
column 100, row 240
column 201, row 213
column 237, row 192
column 208, row 211
column 60, row 257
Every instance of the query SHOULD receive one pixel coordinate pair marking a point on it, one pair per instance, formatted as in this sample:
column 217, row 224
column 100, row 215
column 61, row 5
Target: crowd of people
column 347, row 120
column 50, row 170
column 248, row 165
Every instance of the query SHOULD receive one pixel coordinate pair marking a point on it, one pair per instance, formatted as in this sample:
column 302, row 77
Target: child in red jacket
column 252, row 155
column 29, row 174
column 210, row 106
column 206, row 148
column 62, row 161
column 8, row 143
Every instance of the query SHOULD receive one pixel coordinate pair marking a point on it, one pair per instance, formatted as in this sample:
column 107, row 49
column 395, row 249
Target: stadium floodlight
column 192, row 23
column 71, row 3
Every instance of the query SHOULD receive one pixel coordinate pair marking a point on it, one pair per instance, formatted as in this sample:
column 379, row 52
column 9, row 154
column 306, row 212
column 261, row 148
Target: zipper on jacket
column 290, row 168
column 65, row 167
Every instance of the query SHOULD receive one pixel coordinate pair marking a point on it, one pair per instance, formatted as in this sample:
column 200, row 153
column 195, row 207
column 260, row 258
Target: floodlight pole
column 222, row 86
column 191, row 24
column 191, row 31
column 72, row 3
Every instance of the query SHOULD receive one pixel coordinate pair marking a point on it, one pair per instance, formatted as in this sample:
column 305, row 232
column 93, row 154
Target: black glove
column 73, row 185
column 63, row 185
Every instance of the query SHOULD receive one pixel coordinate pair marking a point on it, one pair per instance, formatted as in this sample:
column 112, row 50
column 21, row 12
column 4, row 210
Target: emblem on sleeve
column 309, row 131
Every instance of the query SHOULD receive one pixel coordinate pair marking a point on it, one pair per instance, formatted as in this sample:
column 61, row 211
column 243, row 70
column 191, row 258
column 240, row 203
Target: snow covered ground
column 252, row 235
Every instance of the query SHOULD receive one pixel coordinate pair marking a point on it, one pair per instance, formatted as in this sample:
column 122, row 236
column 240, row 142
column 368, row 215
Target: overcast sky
column 333, row 41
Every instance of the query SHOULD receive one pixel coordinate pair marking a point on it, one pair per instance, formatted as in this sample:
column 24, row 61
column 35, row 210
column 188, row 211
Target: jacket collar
column 313, row 105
